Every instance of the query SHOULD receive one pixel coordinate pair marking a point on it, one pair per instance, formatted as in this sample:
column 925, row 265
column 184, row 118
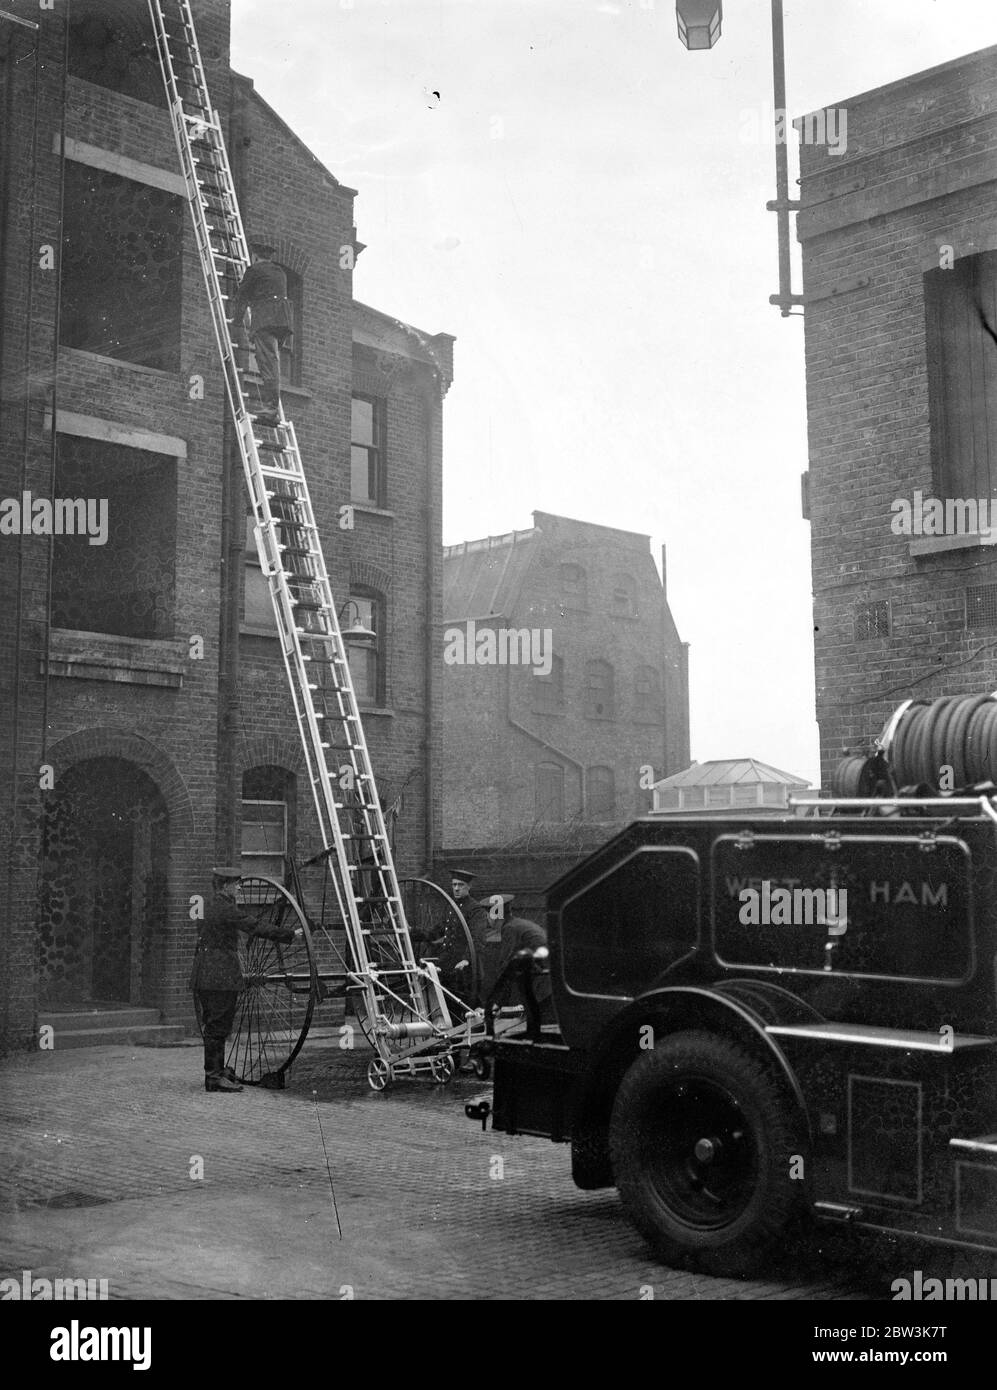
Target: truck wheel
column 702, row 1144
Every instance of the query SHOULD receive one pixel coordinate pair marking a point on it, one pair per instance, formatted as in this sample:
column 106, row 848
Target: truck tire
column 702, row 1142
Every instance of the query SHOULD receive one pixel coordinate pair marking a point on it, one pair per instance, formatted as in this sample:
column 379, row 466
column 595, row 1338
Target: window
column 121, row 264
column 257, row 606
column 548, row 691
column 111, row 44
column 574, row 586
column 600, row 793
column 647, row 694
column 623, row 596
column 126, row 586
column 598, row 690
column 268, row 803
column 367, row 450
column 550, row 792
column 290, row 358
column 367, row 664
column 961, row 362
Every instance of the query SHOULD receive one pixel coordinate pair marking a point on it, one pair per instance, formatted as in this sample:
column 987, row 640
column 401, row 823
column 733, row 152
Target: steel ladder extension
column 404, row 1001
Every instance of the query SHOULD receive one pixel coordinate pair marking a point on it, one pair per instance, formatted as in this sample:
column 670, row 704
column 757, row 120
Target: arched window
column 548, row 691
column 599, row 690
column 368, row 664
column 574, row 586
column 268, row 816
column 600, row 793
column 550, row 792
column 623, row 596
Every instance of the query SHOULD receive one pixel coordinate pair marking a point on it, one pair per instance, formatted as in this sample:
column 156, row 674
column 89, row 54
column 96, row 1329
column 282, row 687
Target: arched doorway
column 102, row 899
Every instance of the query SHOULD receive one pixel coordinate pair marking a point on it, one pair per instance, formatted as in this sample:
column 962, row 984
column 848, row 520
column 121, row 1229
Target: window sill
column 371, row 509
column 267, row 632
column 381, row 711
column 285, row 388
column 82, row 354
column 100, row 656
column 935, row 545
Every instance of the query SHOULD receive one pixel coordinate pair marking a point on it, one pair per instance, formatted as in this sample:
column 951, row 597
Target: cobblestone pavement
column 101, row 1151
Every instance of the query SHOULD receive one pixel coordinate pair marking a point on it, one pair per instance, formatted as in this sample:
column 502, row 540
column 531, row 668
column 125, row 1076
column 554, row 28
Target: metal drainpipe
column 429, row 783
column 232, row 556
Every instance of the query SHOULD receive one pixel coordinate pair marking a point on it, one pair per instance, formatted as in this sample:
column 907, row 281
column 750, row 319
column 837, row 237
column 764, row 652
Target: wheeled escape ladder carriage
column 412, row 1020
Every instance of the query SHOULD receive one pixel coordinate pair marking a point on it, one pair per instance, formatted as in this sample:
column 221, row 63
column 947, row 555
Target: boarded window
column 962, row 375
column 126, row 586
column 647, row 694
column 623, row 596
column 600, row 793
column 574, row 586
column 599, row 690
column 550, row 792
column 121, row 268
column 548, row 691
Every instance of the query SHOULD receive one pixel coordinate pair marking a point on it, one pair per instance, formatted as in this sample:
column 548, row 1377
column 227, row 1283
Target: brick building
column 545, row 738
column 899, row 241
column 148, row 728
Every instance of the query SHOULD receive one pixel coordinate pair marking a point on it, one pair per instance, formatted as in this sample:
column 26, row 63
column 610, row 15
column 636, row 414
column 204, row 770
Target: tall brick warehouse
column 148, row 729
column 528, row 751
column 899, row 243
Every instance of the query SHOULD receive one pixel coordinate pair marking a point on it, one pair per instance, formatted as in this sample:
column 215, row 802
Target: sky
column 581, row 202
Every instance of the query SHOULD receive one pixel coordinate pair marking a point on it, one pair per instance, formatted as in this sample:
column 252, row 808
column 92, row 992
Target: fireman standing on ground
column 216, row 976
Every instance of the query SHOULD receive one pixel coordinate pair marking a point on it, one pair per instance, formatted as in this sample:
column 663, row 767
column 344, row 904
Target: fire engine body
column 764, row 1018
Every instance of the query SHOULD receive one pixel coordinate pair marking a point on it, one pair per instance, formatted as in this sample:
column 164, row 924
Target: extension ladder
column 403, row 1000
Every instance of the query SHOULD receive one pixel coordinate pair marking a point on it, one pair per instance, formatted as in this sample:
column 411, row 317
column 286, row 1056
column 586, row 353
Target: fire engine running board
column 871, row 1035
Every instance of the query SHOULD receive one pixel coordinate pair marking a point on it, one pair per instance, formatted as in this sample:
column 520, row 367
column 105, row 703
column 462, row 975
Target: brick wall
column 194, row 716
column 494, row 736
column 918, row 176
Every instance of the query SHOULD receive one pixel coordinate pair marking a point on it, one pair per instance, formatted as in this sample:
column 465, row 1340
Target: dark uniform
column 216, row 977
column 520, row 934
column 263, row 292
column 475, row 914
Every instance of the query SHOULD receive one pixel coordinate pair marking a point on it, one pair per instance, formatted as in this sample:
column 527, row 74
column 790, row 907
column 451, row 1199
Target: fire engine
column 735, row 1074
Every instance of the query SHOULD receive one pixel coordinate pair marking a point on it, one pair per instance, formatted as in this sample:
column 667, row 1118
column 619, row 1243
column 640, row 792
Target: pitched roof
column 723, row 771
column 484, row 578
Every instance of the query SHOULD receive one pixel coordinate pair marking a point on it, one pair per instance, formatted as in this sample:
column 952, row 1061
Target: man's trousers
column 266, row 346
column 217, row 1016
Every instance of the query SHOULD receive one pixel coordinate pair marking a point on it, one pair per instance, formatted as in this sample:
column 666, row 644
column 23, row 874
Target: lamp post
column 699, row 27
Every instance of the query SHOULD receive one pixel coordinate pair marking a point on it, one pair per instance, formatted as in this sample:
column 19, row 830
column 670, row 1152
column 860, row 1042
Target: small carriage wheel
column 443, row 1068
column 481, row 1065
column 280, row 987
column 378, row 1074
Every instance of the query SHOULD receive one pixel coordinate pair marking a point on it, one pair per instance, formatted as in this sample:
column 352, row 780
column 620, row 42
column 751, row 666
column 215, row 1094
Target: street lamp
column 358, row 634
column 699, row 22
column 699, row 27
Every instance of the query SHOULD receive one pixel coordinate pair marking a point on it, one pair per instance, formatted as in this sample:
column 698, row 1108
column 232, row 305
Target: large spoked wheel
column 280, row 990
column 702, row 1141
column 440, row 934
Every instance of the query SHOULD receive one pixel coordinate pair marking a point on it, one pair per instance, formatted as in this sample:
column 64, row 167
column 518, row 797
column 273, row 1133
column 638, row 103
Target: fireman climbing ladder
column 412, row 1020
